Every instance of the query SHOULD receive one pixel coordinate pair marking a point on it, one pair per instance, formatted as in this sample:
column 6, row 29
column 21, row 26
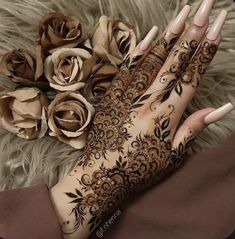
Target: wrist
column 86, row 195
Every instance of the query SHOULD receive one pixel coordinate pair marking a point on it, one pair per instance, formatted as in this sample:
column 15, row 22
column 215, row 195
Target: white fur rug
column 24, row 163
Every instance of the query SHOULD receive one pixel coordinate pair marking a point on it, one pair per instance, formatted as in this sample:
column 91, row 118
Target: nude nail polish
column 202, row 15
column 218, row 114
column 144, row 45
column 217, row 26
column 178, row 23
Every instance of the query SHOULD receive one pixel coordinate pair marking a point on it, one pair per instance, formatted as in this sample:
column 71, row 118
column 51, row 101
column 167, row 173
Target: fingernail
column 218, row 114
column 149, row 38
column 178, row 23
column 202, row 15
column 216, row 28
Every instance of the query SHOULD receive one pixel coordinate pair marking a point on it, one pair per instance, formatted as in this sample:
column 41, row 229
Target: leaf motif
column 179, row 89
column 158, row 132
column 137, row 98
column 180, row 149
column 124, row 164
column 71, row 195
column 145, row 97
column 78, row 200
column 189, row 143
column 136, row 58
column 166, row 134
column 135, row 106
column 166, row 96
column 118, row 164
column 173, row 40
column 165, row 124
column 79, row 193
column 171, row 84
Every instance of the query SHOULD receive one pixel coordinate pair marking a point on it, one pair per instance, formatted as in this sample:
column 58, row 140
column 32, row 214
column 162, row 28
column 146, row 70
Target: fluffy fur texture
column 24, row 163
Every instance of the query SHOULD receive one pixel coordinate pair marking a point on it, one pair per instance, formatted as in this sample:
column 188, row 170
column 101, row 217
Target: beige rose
column 67, row 68
column 24, row 67
column 57, row 30
column 23, row 112
column 113, row 39
column 69, row 116
column 99, row 82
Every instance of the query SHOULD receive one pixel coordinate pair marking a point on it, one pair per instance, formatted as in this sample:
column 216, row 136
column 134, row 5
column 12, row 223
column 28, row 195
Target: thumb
column 195, row 123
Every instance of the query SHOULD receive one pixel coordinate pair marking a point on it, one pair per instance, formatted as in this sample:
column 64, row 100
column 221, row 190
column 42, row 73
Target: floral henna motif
column 109, row 132
column 199, row 64
column 148, row 70
column 149, row 159
column 173, row 77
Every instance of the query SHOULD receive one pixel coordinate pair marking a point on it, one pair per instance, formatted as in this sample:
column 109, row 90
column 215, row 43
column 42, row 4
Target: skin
column 136, row 139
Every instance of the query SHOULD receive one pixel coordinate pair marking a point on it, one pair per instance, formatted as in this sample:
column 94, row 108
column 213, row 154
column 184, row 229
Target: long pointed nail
column 202, row 15
column 216, row 28
column 178, row 24
column 218, row 114
column 145, row 44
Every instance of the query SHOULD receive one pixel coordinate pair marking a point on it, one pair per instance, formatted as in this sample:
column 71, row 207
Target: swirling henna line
column 172, row 78
column 148, row 160
column 148, row 70
column 199, row 64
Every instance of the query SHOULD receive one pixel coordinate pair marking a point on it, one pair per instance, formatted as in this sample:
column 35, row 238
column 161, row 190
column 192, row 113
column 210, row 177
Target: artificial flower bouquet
column 60, row 84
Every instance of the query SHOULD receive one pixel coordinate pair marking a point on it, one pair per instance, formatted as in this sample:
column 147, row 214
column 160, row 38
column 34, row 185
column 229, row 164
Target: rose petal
column 24, row 94
column 26, row 123
column 31, row 109
column 72, row 87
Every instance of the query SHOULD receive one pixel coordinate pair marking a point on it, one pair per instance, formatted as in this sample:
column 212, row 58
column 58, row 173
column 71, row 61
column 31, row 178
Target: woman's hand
column 136, row 139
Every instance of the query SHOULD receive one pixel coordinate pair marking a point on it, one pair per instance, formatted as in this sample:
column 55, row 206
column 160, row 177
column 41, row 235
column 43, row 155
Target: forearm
column 80, row 200
column 64, row 209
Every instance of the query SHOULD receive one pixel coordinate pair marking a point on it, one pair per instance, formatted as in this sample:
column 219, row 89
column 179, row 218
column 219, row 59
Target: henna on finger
column 156, row 57
column 177, row 62
column 190, row 79
column 128, row 67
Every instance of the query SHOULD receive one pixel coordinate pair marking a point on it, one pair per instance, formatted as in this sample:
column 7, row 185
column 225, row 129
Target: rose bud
column 113, row 39
column 57, row 30
column 23, row 112
column 67, row 68
column 25, row 68
column 99, row 82
column 69, row 116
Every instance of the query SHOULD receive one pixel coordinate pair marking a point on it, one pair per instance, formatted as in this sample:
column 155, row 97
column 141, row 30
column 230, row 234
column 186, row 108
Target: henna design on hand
column 117, row 163
column 173, row 77
column 148, row 160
